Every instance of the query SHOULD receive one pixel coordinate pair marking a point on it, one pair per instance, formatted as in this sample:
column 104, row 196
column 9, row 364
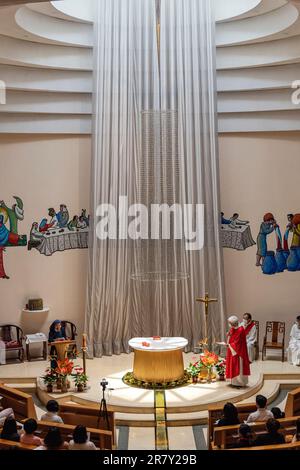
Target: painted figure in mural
column 44, row 226
column 85, row 217
column 73, row 224
column 14, row 214
column 54, row 220
column 81, row 223
column 268, row 226
column 235, row 222
column 36, row 237
column 289, row 229
column 63, row 216
column 8, row 238
column 224, row 221
column 296, row 231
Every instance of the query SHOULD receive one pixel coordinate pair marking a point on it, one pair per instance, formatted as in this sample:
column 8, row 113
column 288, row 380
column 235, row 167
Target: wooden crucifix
column 206, row 300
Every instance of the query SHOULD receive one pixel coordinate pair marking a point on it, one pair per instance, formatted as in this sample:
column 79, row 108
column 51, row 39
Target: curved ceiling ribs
column 46, row 63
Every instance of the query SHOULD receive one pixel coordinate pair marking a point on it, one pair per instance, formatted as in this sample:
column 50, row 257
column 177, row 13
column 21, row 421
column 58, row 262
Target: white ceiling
column 46, row 62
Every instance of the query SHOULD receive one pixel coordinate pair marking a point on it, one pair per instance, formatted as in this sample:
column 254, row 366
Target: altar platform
column 135, row 407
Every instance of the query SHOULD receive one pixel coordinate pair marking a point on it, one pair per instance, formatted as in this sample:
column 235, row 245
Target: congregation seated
column 272, row 437
column 296, row 437
column 262, row 413
column 27, row 436
column 52, row 413
column 10, row 430
column 229, row 417
column 53, row 441
column 6, row 413
column 277, row 413
column 81, row 440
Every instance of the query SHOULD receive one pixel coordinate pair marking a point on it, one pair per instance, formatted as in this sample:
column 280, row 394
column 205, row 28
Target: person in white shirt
column 52, row 410
column 261, row 414
column 235, row 222
column 251, row 334
column 294, row 345
column 81, row 440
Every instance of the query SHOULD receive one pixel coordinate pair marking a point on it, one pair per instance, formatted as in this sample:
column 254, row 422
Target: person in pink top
column 28, row 437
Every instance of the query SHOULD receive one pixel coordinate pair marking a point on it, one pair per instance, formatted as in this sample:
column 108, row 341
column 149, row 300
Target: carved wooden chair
column 274, row 338
column 12, row 336
column 71, row 332
column 256, row 344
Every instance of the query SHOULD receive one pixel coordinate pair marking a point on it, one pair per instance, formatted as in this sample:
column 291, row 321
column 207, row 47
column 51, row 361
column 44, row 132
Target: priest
column 237, row 360
column 294, row 345
column 251, row 335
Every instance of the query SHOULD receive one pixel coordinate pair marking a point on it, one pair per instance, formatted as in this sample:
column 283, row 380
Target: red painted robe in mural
column 235, row 352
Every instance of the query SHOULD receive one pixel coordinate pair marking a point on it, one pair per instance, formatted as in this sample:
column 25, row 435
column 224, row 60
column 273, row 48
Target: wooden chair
column 5, row 444
column 275, row 330
column 13, row 337
column 256, row 344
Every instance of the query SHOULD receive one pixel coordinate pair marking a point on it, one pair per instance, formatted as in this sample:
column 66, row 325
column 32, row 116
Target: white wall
column 259, row 174
column 44, row 171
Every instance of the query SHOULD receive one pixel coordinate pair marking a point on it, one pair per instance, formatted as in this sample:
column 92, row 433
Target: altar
column 158, row 360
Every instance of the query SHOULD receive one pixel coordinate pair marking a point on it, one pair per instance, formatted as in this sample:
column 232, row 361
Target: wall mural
column 235, row 232
column 59, row 232
column 9, row 235
column 287, row 254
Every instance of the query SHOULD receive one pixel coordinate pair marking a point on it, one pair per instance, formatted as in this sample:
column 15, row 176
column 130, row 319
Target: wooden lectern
column 62, row 348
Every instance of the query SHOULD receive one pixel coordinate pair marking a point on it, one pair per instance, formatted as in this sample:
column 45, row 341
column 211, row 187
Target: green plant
column 50, row 377
column 79, row 377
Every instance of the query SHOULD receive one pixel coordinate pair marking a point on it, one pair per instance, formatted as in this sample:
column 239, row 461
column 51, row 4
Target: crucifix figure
column 206, row 300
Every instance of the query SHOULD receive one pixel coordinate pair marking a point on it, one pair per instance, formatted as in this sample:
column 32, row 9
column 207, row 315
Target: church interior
column 149, row 225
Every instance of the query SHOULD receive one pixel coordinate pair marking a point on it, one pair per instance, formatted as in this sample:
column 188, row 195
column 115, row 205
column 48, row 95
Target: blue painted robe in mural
column 265, row 229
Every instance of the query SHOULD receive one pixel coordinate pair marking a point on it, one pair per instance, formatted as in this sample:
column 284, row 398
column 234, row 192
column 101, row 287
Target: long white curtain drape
column 155, row 142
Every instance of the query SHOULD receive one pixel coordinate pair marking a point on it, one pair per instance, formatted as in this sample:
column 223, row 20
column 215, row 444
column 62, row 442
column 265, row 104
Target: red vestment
column 249, row 328
column 237, row 340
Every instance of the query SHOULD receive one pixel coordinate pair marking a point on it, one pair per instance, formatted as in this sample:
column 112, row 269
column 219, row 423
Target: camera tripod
column 103, row 413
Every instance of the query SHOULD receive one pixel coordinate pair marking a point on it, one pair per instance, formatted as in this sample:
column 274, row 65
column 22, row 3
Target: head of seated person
column 53, row 440
column 296, row 437
column 261, row 402
column 81, row 440
column 52, row 412
column 277, row 413
column 56, row 331
column 28, row 437
column 229, row 416
column 10, row 430
column 245, row 438
column 273, row 436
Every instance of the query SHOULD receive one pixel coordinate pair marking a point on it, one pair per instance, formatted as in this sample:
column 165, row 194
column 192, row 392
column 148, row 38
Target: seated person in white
column 294, row 345
column 81, row 440
column 235, row 221
column 52, row 410
column 5, row 413
column 261, row 414
column 251, row 335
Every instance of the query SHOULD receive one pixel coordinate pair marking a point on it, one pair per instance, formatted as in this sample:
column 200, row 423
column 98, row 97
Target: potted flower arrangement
column 63, row 369
column 49, row 379
column 209, row 360
column 80, row 378
column 221, row 369
column 193, row 370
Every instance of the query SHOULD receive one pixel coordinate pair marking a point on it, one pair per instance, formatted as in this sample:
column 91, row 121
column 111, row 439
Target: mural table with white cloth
column 61, row 240
column 238, row 238
column 158, row 360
